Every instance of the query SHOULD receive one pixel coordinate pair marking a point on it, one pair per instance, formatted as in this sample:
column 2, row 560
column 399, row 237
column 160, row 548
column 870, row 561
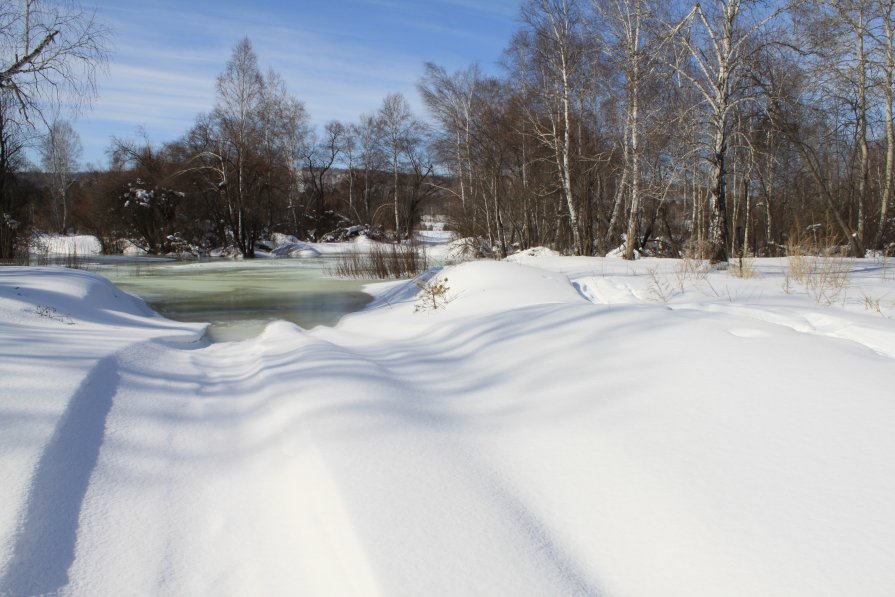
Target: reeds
column 381, row 262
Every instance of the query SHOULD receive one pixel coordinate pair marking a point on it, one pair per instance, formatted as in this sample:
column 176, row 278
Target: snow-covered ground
column 557, row 426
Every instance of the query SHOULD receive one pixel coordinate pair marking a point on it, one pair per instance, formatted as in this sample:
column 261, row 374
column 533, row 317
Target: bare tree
column 840, row 39
column 60, row 151
column 284, row 129
column 886, row 41
column 556, row 26
column 50, row 53
column 320, row 155
column 628, row 32
column 369, row 135
column 349, row 149
column 399, row 130
column 720, row 45
column 13, row 207
column 450, row 100
column 245, row 153
column 831, row 122
column 240, row 91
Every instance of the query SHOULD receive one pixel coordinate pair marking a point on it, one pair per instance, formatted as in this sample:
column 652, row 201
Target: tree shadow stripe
column 45, row 543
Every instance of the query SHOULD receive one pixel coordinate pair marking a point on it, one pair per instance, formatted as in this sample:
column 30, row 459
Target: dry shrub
column 798, row 254
column 382, row 262
column 821, row 266
column 692, row 270
column 433, row 295
column 744, row 268
column 829, row 280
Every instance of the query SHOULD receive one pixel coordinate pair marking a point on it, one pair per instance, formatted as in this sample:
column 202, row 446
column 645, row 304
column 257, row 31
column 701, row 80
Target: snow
column 57, row 244
column 562, row 425
column 534, row 253
column 295, row 249
column 438, row 244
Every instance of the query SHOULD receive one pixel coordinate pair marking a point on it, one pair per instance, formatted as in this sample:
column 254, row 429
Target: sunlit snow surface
column 558, row 426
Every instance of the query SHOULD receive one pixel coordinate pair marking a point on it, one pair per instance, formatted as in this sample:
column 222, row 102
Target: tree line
column 715, row 129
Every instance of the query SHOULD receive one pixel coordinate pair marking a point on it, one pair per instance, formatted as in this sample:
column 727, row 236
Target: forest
column 714, row 130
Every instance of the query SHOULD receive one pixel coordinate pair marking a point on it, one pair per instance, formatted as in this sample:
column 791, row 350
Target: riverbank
column 555, row 426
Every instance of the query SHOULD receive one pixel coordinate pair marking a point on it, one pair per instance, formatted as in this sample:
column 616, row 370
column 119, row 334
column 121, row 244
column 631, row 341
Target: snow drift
column 558, row 427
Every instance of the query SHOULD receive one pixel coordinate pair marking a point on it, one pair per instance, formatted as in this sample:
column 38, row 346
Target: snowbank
column 586, row 426
column 533, row 254
column 56, row 244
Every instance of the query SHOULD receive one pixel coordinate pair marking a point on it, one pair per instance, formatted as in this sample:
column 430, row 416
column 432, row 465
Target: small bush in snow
column 433, row 295
column 52, row 313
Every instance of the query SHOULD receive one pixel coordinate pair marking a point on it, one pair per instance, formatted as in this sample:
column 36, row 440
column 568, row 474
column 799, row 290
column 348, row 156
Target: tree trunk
column 719, row 231
column 634, row 217
column 889, row 94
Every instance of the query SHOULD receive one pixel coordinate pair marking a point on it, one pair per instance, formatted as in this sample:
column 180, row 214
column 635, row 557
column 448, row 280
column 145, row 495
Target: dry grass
column 381, row 262
column 660, row 288
column 744, row 268
column 873, row 304
column 824, row 272
column 691, row 268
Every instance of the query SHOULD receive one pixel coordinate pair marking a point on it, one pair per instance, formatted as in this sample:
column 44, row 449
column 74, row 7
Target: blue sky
column 340, row 57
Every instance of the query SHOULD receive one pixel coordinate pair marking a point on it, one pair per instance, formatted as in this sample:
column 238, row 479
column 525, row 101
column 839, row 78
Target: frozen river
column 239, row 298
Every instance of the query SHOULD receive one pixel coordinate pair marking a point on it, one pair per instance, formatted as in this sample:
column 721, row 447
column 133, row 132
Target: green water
column 239, row 298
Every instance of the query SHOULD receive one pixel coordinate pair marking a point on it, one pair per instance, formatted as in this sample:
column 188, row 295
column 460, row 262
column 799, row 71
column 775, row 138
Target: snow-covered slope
column 558, row 426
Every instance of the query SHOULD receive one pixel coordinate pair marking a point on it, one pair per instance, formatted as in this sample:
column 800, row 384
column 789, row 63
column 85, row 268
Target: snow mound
column 460, row 249
column 619, row 252
column 279, row 239
column 57, row 244
column 72, row 296
column 295, row 249
column 476, row 287
column 532, row 253
column 286, row 245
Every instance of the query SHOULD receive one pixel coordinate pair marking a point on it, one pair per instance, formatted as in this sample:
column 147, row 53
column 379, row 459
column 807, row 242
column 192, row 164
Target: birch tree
column 239, row 96
column 246, row 151
column 886, row 41
column 720, row 40
column 556, row 26
column 842, row 44
column 626, row 30
column 60, row 151
column 399, row 128
column 369, row 136
column 50, row 53
column 837, row 42
column 450, row 99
